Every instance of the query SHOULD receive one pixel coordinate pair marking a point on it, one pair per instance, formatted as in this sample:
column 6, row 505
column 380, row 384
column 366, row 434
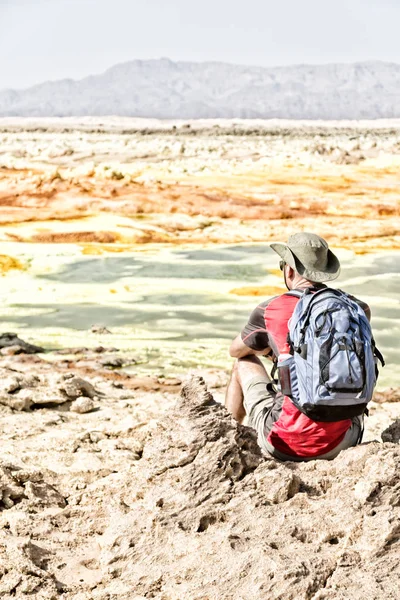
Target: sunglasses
column 281, row 264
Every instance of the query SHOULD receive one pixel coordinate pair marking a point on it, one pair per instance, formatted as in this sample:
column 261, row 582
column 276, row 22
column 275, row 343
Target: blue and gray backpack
column 333, row 363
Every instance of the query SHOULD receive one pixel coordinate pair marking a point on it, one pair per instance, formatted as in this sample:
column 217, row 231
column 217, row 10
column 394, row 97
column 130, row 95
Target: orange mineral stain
column 258, row 291
column 9, row 263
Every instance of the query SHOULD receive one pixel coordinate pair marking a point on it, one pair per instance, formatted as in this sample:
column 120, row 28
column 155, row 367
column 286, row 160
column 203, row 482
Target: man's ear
column 291, row 273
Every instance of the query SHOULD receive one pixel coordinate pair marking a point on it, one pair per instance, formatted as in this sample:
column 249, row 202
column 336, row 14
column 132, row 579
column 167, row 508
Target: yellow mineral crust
column 167, row 187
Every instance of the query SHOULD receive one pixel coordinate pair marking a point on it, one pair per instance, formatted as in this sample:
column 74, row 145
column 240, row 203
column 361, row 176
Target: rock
column 45, row 396
column 392, row 433
column 76, row 386
column 278, row 485
column 117, row 384
column 388, row 395
column 23, row 400
column 21, row 392
column 29, row 380
column 19, row 404
column 78, row 350
column 82, row 405
column 23, row 570
column 44, row 494
column 11, row 384
column 100, row 330
column 11, row 350
column 9, row 582
column 13, row 381
column 17, row 484
column 99, row 349
column 96, row 436
column 112, row 361
column 213, row 509
column 12, row 394
column 12, row 340
column 170, row 381
column 11, row 491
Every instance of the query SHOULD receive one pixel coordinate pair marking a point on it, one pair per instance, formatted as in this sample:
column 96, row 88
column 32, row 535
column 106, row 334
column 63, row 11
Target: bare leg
column 243, row 370
column 234, row 395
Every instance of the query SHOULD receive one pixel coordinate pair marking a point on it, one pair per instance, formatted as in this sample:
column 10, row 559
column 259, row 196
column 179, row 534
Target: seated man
column 283, row 430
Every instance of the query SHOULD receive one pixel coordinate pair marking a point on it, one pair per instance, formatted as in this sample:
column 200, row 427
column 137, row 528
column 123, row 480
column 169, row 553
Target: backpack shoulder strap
column 313, row 299
column 295, row 293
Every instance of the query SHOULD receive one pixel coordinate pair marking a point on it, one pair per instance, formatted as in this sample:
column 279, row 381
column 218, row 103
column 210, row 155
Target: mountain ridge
column 162, row 88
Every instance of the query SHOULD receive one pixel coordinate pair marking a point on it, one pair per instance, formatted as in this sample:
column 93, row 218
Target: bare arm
column 238, row 349
column 367, row 311
column 253, row 339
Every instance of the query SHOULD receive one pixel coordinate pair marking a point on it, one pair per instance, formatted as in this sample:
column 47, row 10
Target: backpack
column 332, row 361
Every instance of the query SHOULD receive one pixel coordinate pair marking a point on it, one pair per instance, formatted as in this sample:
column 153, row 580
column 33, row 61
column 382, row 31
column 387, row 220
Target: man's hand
column 238, row 349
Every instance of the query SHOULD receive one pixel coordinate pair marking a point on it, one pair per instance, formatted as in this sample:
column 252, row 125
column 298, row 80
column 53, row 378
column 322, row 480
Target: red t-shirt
column 293, row 433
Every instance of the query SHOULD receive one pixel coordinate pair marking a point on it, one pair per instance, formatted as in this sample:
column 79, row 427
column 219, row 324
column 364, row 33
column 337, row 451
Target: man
column 283, row 430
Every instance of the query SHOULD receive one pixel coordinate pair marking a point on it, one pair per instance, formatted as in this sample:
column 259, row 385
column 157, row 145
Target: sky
column 44, row 40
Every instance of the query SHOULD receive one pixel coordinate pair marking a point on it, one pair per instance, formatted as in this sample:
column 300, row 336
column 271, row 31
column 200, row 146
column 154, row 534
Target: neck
column 302, row 283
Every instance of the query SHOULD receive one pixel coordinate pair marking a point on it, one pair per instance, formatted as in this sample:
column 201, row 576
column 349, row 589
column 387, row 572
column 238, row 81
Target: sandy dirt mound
column 191, row 509
column 209, row 518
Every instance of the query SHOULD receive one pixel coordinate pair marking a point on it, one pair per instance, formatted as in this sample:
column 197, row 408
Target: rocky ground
column 118, row 486
column 187, row 183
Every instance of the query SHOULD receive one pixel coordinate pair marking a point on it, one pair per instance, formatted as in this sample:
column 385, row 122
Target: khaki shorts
column 263, row 406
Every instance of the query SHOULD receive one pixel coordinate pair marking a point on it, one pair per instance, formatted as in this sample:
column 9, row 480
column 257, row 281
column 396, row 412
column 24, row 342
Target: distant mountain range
column 186, row 90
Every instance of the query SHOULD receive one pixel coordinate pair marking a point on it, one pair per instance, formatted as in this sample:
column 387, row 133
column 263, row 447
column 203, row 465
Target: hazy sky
column 53, row 39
